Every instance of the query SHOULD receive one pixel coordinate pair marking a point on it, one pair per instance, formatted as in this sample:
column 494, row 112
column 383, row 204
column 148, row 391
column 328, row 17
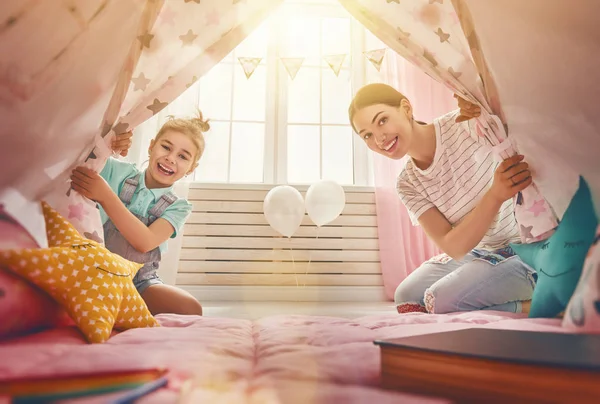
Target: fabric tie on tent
column 438, row 37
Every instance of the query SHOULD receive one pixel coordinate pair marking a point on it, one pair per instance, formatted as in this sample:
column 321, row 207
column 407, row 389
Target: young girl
column 463, row 204
column 140, row 211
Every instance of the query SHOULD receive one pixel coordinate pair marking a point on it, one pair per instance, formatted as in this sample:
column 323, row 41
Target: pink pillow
column 583, row 312
column 23, row 307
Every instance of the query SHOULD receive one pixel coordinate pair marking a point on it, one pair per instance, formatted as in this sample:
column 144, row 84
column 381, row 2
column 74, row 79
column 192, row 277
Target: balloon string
column 310, row 258
column 293, row 262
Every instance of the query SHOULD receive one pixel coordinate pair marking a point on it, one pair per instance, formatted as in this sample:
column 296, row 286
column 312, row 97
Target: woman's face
column 387, row 130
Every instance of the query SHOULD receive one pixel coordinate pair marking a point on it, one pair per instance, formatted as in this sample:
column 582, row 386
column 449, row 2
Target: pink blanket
column 280, row 359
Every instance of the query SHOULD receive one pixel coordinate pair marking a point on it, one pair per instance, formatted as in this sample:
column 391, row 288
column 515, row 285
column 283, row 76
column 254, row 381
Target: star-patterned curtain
column 438, row 36
column 188, row 39
column 73, row 72
column 59, row 66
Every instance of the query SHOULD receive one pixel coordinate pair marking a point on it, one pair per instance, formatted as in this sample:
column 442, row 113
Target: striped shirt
column 455, row 182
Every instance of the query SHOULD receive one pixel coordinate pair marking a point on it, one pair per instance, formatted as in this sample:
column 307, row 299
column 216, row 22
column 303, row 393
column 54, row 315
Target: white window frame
column 275, row 144
column 275, row 169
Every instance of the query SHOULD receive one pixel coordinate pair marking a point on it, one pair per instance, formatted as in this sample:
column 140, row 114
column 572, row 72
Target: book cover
column 570, row 351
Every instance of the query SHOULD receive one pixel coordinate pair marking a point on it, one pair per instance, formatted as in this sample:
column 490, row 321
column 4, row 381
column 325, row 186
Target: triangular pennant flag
column 292, row 65
column 375, row 57
column 249, row 65
column 335, row 62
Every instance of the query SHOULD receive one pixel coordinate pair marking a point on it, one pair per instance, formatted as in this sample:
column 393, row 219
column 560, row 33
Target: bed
column 289, row 358
column 275, row 359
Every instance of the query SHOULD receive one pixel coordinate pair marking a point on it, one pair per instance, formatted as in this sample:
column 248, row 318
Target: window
column 270, row 128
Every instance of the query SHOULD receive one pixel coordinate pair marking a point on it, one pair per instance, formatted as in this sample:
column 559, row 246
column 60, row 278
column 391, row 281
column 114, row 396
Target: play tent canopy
column 71, row 71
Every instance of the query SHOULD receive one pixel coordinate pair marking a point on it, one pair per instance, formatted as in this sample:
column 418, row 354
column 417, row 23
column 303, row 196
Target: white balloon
column 284, row 209
column 325, row 201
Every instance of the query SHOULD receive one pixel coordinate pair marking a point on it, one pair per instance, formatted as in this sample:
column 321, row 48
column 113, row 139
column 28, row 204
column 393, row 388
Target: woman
column 463, row 204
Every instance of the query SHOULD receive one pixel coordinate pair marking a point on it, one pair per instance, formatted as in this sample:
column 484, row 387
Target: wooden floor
column 255, row 310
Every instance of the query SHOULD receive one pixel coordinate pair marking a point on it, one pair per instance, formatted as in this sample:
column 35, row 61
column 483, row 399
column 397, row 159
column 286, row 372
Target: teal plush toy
column 559, row 259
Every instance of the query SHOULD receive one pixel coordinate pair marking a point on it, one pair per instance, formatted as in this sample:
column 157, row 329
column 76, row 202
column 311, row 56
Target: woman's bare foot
column 525, row 306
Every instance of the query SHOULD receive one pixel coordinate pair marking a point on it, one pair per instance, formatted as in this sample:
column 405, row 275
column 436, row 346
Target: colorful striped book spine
column 43, row 389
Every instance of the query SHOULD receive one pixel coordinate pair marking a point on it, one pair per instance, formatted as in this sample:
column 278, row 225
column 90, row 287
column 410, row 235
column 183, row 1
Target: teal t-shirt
column 115, row 173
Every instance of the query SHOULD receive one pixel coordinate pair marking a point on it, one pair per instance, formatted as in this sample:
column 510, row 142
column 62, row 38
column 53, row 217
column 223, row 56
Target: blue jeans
column 477, row 282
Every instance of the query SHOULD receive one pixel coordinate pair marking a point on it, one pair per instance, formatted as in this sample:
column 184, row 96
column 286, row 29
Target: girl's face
column 171, row 157
column 387, row 130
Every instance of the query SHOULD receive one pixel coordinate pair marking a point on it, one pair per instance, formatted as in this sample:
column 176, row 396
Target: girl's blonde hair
column 194, row 128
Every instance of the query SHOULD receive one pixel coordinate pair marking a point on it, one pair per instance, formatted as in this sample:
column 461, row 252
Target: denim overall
column 116, row 243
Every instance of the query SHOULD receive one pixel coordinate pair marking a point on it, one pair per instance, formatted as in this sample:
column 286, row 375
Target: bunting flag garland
column 249, row 65
column 335, row 62
column 292, row 65
column 376, row 57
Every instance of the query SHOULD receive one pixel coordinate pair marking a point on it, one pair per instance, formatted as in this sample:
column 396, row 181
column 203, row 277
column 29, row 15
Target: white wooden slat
column 278, row 255
column 280, row 243
column 257, row 207
column 228, row 242
column 293, row 293
column 267, row 187
column 279, row 267
column 267, row 231
column 258, row 218
column 279, row 279
column 196, row 194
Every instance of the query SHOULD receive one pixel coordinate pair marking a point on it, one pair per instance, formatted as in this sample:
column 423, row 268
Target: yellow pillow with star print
column 94, row 285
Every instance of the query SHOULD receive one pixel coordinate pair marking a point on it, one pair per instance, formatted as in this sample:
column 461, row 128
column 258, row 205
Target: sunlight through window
column 287, row 122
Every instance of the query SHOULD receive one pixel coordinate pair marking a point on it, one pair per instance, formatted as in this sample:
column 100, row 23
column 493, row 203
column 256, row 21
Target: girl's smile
column 171, row 157
column 163, row 169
